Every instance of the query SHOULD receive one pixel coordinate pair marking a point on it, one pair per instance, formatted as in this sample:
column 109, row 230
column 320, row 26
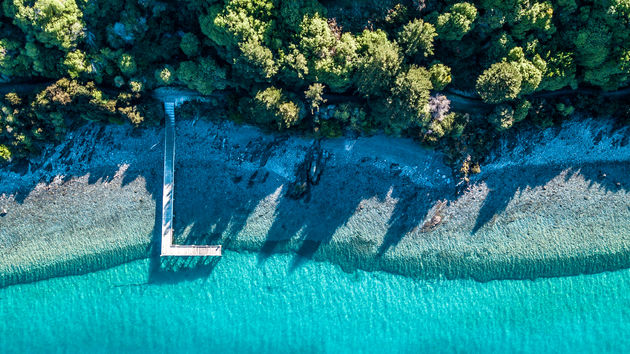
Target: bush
column 5, row 154
column 273, row 106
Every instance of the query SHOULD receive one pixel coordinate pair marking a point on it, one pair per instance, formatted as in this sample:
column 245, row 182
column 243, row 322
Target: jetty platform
column 168, row 248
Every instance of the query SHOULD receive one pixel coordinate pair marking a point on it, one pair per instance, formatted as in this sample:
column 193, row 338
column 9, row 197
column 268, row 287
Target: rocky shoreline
column 549, row 203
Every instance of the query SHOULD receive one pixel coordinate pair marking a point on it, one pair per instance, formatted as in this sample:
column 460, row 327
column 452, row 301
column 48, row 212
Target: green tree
column 314, row 96
column 255, row 64
column 592, row 45
column 536, row 17
column 499, row 83
column 204, row 75
column 292, row 12
column 378, row 64
column 127, row 64
column 505, row 115
column 52, row 22
column 76, row 64
column 330, row 56
column 560, row 72
column 5, row 154
column 440, row 76
column 409, row 103
column 458, row 20
column 416, row 39
column 189, row 44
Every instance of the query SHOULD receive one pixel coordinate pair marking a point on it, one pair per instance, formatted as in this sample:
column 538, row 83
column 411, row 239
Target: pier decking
column 168, row 248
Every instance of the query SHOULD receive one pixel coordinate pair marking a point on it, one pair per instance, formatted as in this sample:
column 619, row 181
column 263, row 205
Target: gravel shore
column 547, row 203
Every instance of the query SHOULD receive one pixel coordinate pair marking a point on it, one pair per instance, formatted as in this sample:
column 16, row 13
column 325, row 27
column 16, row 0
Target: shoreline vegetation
column 550, row 204
column 282, row 63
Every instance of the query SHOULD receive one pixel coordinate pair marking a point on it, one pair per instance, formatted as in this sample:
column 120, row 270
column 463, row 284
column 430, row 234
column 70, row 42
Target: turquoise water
column 245, row 304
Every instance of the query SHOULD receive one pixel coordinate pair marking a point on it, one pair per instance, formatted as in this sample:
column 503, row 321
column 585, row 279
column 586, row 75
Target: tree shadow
column 313, row 220
column 507, row 184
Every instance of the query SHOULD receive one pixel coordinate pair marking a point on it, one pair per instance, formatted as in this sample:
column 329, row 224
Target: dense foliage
column 284, row 57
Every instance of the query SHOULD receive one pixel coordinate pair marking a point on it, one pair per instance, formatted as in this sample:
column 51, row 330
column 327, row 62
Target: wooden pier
column 168, row 248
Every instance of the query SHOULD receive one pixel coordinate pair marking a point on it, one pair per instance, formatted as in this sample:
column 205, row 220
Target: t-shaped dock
column 168, row 248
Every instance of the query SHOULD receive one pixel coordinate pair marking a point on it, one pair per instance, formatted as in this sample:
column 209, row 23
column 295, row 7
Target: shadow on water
column 511, row 181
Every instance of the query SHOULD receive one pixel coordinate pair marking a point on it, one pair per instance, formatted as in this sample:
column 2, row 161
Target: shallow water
column 252, row 304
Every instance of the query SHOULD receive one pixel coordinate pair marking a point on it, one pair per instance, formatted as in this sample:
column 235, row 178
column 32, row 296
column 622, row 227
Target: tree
column 530, row 73
column 416, row 39
column 458, row 20
column 314, row 95
column 499, row 83
column 238, row 21
column 408, row 104
column 560, row 71
column 505, row 115
column 13, row 59
column 76, row 64
column 54, row 23
column 592, row 45
column 536, row 17
column 440, row 76
column 189, row 44
column 203, row 75
column 127, row 64
column 5, row 153
column 330, row 56
column 378, row 64
column 255, row 64
column 292, row 12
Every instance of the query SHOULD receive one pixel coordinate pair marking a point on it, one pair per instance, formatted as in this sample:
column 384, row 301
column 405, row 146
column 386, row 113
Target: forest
column 318, row 66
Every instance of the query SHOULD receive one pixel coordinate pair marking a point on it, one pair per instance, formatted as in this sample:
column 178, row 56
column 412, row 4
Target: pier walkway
column 168, row 248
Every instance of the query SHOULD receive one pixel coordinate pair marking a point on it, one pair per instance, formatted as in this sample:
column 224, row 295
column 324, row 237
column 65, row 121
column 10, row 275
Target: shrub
column 5, row 154
column 273, row 106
